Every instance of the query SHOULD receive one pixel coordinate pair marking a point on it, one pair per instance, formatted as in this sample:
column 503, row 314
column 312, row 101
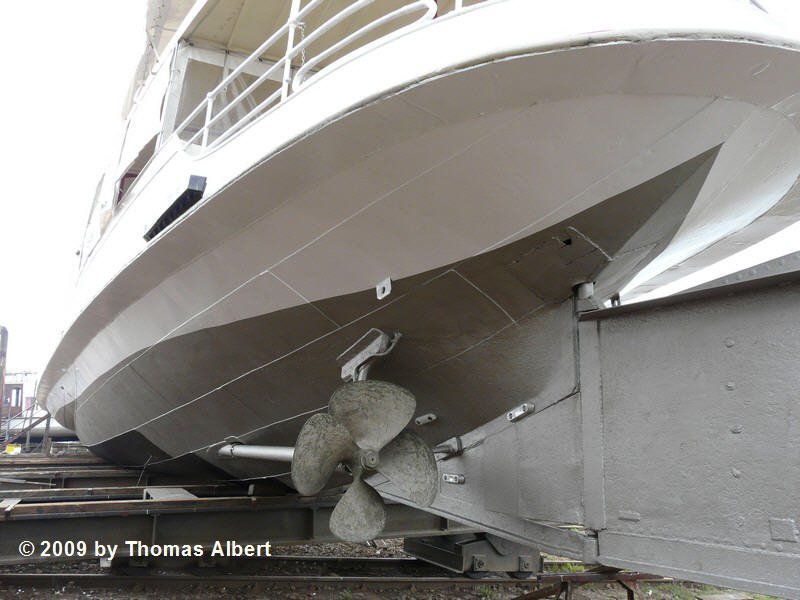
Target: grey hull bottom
column 478, row 337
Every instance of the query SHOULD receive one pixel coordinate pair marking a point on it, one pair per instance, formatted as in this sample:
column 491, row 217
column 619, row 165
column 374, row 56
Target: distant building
column 18, row 394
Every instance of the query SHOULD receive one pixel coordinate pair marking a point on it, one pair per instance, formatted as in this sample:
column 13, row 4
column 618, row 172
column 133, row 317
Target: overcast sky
column 66, row 70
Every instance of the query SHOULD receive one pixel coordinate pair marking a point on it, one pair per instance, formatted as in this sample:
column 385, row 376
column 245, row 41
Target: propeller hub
column 364, row 429
column 369, row 459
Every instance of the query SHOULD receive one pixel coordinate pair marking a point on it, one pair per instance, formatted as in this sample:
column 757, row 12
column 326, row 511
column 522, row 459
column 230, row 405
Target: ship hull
column 485, row 194
column 478, row 337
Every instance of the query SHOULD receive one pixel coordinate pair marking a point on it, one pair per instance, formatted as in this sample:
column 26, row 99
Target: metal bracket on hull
column 357, row 366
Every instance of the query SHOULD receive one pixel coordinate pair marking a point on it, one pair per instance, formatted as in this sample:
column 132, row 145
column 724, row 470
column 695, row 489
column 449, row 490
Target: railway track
column 561, row 586
column 184, row 581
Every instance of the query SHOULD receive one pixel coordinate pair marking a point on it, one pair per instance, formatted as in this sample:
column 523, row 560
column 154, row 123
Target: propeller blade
column 360, row 515
column 373, row 412
column 408, row 462
column 320, row 447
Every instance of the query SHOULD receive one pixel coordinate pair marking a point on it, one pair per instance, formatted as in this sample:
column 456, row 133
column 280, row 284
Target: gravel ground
column 392, row 548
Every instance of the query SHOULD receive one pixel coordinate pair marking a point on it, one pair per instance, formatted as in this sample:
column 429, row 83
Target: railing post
column 287, row 65
column 459, row 4
column 209, row 114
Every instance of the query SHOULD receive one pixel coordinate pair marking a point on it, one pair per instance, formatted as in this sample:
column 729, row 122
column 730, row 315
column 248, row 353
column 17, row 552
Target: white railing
column 291, row 79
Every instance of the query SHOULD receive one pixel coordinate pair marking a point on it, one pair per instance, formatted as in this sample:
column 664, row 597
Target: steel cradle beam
column 202, row 521
column 701, row 428
column 671, row 447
